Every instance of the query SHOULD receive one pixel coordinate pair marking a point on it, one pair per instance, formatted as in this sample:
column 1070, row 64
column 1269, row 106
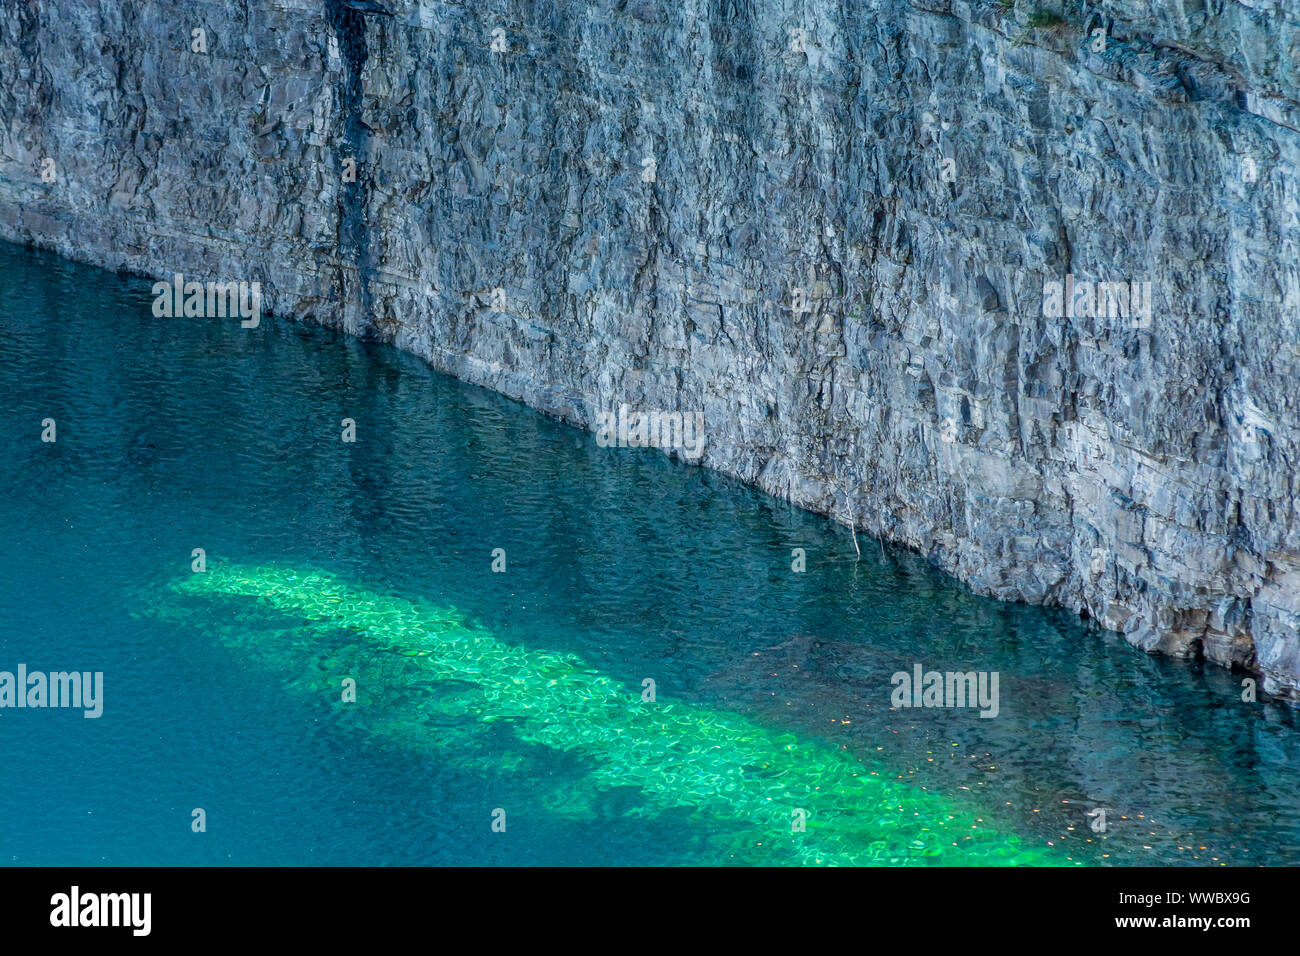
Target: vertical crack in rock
column 347, row 18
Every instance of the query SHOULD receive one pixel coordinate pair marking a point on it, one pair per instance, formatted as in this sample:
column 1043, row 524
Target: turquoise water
column 522, row 691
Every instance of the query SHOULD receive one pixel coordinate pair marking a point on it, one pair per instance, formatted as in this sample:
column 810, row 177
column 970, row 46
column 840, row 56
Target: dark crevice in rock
column 348, row 21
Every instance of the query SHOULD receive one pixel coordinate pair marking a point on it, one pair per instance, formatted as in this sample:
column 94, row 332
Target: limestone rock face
column 830, row 228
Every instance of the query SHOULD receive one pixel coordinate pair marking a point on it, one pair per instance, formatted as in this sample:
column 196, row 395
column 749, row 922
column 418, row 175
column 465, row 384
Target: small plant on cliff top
column 1043, row 19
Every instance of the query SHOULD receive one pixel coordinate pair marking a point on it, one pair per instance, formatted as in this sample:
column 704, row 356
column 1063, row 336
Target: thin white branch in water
column 853, row 522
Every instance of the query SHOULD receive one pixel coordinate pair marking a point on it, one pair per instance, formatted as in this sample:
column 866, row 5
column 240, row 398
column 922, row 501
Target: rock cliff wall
column 827, row 227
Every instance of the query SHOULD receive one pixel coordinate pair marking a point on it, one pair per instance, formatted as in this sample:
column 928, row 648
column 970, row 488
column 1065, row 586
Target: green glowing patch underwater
column 427, row 680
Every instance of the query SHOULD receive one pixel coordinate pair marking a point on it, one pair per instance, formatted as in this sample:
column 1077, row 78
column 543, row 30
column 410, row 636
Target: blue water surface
column 175, row 434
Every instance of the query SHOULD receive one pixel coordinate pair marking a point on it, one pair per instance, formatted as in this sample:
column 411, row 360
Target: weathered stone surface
column 840, row 260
